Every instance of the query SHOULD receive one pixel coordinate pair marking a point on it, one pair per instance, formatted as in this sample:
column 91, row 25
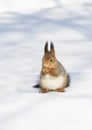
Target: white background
column 25, row 26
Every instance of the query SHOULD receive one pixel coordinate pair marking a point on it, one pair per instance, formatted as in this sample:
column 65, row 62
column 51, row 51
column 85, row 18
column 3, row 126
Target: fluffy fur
column 53, row 75
column 52, row 83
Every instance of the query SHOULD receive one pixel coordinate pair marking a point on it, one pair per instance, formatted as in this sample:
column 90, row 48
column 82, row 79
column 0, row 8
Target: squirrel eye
column 50, row 60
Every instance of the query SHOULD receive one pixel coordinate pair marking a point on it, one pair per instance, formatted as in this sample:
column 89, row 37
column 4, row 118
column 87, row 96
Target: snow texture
column 23, row 33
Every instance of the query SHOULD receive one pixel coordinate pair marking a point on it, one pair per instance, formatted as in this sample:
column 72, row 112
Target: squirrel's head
column 49, row 59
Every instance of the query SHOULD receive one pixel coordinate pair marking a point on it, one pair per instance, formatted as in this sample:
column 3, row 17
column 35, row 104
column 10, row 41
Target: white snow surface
column 22, row 37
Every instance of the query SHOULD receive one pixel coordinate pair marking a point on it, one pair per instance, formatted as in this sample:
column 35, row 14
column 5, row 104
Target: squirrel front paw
column 50, row 71
column 45, row 71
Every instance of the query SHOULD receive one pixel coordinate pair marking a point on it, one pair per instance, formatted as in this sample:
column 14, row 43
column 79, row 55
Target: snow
column 23, row 33
column 31, row 6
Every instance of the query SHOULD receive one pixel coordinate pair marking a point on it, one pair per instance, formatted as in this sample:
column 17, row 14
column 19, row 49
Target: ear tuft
column 46, row 47
column 52, row 48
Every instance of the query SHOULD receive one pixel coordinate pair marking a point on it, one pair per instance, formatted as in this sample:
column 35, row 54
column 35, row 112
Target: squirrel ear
column 46, row 47
column 52, row 48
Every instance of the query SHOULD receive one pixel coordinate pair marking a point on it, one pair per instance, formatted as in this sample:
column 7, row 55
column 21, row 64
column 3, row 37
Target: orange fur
column 44, row 71
column 43, row 90
column 51, row 71
column 60, row 90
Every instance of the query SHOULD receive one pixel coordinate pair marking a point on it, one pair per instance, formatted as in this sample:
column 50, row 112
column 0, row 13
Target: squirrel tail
column 69, row 80
column 36, row 86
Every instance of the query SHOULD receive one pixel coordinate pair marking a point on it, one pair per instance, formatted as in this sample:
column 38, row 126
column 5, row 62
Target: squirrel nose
column 45, row 65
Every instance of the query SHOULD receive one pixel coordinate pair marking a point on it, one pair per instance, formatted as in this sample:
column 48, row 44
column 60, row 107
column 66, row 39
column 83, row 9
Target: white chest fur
column 52, row 83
